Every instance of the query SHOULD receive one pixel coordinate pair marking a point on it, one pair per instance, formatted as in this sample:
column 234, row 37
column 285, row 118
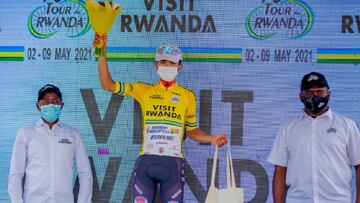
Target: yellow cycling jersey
column 167, row 113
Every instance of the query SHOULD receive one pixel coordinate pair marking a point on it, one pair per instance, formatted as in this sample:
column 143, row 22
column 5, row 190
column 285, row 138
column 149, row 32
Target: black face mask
column 315, row 104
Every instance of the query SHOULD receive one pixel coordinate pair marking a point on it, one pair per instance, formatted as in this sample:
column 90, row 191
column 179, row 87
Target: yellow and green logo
column 283, row 18
column 54, row 16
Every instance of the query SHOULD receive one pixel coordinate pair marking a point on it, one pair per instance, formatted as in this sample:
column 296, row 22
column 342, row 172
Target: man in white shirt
column 44, row 154
column 314, row 153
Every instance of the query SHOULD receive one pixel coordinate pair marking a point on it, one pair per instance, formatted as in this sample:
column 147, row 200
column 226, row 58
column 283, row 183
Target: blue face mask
column 50, row 112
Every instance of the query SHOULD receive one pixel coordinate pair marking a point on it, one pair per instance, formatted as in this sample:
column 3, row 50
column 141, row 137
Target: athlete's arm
column 279, row 184
column 200, row 136
column 107, row 83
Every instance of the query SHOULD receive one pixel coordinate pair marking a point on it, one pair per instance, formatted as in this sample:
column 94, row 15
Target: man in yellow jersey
column 168, row 110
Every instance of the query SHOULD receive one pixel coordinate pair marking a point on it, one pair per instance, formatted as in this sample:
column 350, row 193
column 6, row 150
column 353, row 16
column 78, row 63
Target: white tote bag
column 230, row 194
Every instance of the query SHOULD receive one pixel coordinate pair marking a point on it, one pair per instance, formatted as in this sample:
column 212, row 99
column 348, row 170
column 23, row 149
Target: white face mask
column 167, row 73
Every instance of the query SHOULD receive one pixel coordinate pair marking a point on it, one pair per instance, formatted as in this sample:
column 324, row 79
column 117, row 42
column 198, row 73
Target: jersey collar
column 328, row 114
column 166, row 83
column 40, row 122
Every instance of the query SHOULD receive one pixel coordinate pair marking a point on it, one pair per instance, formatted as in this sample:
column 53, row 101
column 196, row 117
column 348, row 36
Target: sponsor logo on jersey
column 156, row 96
column 174, row 130
column 175, row 99
column 157, row 130
column 162, row 137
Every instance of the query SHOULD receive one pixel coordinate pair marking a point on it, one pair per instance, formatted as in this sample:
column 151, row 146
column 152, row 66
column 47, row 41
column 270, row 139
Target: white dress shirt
column 46, row 156
column 319, row 154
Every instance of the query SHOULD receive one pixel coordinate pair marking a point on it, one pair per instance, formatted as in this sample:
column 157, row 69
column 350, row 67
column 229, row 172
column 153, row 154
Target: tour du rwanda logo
column 286, row 18
column 69, row 16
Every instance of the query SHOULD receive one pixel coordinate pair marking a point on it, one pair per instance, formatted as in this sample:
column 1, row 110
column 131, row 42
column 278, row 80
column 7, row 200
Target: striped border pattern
column 338, row 55
column 191, row 125
column 190, row 54
column 163, row 121
column 12, row 53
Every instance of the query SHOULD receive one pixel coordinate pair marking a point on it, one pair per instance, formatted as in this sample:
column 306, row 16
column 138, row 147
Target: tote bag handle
column 229, row 168
column 213, row 171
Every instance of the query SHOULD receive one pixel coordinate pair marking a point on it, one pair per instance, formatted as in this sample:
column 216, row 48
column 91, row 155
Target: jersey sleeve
column 17, row 168
column 190, row 120
column 83, row 169
column 135, row 89
column 354, row 143
column 279, row 154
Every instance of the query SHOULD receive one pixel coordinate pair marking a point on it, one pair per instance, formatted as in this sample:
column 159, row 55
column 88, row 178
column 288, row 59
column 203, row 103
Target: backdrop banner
column 243, row 59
